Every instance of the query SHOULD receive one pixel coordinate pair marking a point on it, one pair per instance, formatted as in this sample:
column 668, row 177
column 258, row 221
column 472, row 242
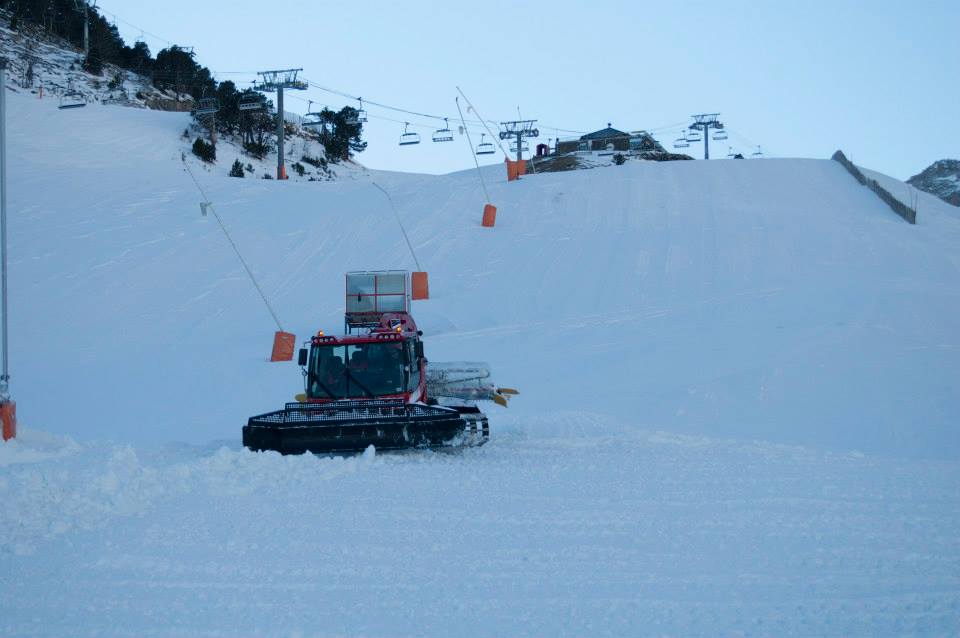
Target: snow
column 737, row 415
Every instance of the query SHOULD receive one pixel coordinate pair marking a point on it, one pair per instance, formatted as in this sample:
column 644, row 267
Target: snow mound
column 32, row 446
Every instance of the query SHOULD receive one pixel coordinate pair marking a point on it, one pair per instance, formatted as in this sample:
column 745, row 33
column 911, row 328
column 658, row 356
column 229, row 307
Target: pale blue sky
column 877, row 79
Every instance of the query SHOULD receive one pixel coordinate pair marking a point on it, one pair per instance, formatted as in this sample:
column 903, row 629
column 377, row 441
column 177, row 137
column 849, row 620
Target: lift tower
column 84, row 7
column 278, row 81
column 704, row 122
column 518, row 129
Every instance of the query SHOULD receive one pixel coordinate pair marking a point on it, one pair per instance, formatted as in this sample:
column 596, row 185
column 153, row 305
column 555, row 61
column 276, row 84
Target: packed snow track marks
column 645, row 534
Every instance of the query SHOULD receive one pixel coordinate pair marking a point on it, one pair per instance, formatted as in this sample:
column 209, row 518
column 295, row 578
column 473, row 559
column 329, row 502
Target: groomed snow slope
column 738, row 408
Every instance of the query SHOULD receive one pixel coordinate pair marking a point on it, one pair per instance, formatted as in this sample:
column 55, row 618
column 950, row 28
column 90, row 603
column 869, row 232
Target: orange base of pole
column 512, row 170
column 420, row 285
column 283, row 345
column 489, row 215
column 8, row 414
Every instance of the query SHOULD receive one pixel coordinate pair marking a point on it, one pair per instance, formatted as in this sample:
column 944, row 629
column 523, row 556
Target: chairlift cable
column 495, row 137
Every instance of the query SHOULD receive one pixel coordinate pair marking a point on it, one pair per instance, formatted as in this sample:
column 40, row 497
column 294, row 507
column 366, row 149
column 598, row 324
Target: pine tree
column 341, row 133
column 93, row 64
column 203, row 150
column 237, row 169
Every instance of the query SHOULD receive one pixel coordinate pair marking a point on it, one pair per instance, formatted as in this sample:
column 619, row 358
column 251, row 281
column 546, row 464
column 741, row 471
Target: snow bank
column 32, row 446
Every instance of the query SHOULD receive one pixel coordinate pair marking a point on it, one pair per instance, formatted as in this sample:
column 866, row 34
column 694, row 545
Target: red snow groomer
column 372, row 385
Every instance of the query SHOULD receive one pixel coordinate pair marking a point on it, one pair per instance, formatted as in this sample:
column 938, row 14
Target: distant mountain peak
column 942, row 178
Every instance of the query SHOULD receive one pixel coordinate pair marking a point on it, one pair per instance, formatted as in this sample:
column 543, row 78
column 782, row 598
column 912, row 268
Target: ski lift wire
column 470, row 107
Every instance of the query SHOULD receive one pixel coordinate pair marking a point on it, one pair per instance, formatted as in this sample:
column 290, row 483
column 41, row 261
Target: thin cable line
column 209, row 206
column 472, row 108
column 472, row 153
column 400, row 223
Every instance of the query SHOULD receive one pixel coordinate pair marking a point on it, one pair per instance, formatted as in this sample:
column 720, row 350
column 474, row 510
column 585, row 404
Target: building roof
column 604, row 134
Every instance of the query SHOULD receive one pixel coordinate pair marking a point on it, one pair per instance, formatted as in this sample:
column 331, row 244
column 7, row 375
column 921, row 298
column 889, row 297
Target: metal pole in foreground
column 281, row 173
column 8, row 409
column 5, row 377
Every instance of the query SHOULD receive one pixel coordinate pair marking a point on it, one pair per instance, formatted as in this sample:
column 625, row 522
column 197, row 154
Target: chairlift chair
column 525, row 147
column 730, row 153
column 719, row 135
column 361, row 114
column 250, row 102
column 72, row 100
column 681, row 142
column 207, row 106
column 757, row 153
column 694, row 136
column 311, row 120
column 408, row 137
column 485, row 148
column 443, row 134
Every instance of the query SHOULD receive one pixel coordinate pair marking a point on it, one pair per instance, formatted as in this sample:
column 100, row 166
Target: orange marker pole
column 489, row 215
column 420, row 285
column 8, row 414
column 283, row 345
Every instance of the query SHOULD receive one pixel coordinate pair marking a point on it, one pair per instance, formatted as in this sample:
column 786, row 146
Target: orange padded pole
column 489, row 215
column 8, row 414
column 420, row 285
column 511, row 170
column 283, row 345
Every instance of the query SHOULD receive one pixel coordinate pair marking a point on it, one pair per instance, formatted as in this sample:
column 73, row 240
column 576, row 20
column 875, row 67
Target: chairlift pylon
column 408, row 137
column 443, row 134
column 485, row 148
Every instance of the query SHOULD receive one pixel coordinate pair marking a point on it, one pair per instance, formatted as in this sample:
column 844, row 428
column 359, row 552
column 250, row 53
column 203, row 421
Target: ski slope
column 738, row 408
